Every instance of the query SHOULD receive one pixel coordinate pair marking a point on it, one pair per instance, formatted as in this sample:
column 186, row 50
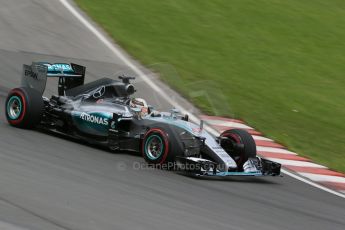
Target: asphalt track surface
column 47, row 182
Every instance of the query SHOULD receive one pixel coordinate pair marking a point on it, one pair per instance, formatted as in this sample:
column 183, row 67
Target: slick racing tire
column 160, row 147
column 24, row 107
column 239, row 144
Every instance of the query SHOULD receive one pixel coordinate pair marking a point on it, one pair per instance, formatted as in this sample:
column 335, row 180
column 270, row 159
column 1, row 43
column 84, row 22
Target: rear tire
column 24, row 107
column 239, row 144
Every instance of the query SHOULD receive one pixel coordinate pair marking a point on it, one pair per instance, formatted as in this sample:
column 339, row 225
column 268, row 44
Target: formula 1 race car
column 104, row 112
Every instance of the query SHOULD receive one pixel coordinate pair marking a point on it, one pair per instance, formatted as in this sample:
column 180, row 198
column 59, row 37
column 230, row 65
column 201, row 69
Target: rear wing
column 70, row 75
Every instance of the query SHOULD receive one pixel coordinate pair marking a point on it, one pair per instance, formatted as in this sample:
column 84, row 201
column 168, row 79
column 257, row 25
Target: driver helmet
column 140, row 104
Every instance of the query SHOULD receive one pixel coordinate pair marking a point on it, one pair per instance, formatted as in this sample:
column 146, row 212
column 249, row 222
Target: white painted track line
column 313, row 183
column 158, row 90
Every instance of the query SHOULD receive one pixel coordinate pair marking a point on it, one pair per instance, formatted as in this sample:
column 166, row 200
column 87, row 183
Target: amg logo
column 30, row 73
column 94, row 119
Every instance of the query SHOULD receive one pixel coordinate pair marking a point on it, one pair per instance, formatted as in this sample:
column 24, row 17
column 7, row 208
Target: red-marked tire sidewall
column 18, row 93
column 240, row 136
column 31, row 107
column 163, row 158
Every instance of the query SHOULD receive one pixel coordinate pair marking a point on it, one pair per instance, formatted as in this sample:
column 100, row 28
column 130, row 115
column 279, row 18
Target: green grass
column 278, row 64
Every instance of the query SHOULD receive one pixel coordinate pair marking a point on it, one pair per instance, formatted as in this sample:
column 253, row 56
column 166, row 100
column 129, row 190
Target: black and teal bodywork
column 99, row 112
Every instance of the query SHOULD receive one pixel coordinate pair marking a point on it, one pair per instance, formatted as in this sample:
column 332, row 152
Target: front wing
column 199, row 167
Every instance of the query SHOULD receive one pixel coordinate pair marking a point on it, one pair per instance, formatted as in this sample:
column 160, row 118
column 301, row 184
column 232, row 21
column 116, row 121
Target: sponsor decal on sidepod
column 94, row 119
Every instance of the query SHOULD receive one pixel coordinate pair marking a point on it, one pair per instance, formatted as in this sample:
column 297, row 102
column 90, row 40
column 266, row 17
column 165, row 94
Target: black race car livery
column 104, row 112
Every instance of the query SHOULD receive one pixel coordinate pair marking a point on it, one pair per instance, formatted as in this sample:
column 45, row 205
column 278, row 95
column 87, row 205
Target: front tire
column 239, row 144
column 24, row 107
column 159, row 146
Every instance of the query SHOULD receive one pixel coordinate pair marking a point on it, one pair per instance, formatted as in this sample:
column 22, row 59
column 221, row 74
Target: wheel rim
column 154, row 147
column 14, row 107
